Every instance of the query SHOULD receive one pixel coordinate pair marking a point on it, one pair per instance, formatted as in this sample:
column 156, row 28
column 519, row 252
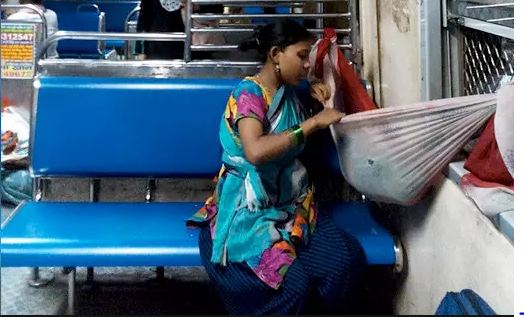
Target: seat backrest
column 137, row 127
column 89, row 21
column 115, row 11
column 60, row 6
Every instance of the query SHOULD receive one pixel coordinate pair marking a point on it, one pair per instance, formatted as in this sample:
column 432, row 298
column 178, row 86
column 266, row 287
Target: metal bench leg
column 90, row 275
column 36, row 280
column 399, row 257
column 71, row 292
column 160, row 273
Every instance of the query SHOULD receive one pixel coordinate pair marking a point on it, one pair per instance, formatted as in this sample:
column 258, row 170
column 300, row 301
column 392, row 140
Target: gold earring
column 277, row 68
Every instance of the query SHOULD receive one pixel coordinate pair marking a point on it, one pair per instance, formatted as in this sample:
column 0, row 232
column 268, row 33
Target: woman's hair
column 280, row 34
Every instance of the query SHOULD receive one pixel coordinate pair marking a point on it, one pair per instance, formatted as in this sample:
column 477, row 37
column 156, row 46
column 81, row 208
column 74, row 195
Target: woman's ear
column 274, row 54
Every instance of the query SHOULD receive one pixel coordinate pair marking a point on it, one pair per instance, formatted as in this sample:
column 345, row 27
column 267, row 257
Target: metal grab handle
column 34, row 8
column 71, row 35
column 128, row 17
column 88, row 5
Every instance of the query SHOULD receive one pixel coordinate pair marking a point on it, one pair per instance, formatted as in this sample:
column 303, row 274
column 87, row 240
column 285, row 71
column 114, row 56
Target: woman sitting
column 264, row 244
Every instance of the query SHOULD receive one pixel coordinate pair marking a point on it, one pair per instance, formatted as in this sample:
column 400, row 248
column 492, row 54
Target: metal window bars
column 481, row 52
column 487, row 59
column 499, row 12
column 235, row 26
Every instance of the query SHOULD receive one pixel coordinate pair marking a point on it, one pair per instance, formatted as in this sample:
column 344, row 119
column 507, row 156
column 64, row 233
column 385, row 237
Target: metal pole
column 35, row 280
column 262, row 16
column 189, row 23
column 69, row 35
column 246, row 30
column 320, row 21
column 71, row 292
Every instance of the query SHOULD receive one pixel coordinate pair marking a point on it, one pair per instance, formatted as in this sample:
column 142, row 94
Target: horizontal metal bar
column 210, row 47
column 218, row 63
column 262, row 16
column 501, row 19
column 228, row 30
column 260, row 2
column 267, row 5
column 71, row 35
column 491, row 6
column 491, row 28
column 106, row 1
column 147, row 63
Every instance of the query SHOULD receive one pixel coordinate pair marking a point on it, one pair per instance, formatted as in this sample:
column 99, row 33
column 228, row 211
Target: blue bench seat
column 99, row 127
column 141, row 234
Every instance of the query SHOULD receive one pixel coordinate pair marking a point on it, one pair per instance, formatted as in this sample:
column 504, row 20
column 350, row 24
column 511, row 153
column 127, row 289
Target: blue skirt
column 327, row 271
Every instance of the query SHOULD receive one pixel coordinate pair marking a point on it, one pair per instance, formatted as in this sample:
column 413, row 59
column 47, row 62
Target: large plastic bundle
column 393, row 154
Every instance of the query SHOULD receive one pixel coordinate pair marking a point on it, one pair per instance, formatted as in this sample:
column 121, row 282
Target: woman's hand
column 320, row 92
column 327, row 117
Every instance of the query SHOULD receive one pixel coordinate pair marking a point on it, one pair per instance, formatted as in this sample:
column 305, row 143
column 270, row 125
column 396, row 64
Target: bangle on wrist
column 297, row 135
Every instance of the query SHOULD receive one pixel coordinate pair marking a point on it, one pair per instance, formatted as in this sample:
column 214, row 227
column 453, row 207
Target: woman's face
column 294, row 62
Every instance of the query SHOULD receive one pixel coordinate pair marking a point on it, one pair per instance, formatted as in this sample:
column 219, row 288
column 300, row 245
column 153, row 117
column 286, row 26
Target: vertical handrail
column 189, row 23
column 128, row 17
column 320, row 21
column 87, row 5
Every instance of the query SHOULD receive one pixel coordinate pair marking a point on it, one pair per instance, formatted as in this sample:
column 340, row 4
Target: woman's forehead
column 303, row 45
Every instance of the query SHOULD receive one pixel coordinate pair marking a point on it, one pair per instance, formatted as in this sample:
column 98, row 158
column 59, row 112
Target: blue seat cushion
column 117, row 44
column 100, row 234
column 140, row 234
column 355, row 218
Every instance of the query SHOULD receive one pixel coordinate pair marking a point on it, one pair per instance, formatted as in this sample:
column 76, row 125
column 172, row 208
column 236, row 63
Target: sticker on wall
column 18, row 50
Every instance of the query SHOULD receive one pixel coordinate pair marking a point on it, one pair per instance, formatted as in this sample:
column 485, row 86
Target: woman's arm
column 260, row 149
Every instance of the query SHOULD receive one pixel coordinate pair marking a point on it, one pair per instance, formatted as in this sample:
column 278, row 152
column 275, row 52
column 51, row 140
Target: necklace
column 271, row 92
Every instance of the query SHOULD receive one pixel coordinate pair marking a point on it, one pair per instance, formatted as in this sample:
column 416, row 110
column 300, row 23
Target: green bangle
column 297, row 135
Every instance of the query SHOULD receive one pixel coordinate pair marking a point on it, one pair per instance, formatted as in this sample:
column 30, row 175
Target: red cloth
column 485, row 161
column 354, row 95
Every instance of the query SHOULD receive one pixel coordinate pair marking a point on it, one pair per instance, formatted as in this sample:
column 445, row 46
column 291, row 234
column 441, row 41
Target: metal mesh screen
column 487, row 58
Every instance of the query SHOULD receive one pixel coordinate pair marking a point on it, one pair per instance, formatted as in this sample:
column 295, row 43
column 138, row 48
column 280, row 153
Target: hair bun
column 253, row 42
column 249, row 44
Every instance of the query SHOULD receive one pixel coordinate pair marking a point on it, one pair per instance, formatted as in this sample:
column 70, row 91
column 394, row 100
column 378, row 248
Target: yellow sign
column 18, row 50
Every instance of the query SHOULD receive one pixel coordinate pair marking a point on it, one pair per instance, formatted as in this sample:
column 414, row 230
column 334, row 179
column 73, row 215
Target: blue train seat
column 115, row 14
column 90, row 21
column 145, row 128
column 99, row 127
column 134, row 127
